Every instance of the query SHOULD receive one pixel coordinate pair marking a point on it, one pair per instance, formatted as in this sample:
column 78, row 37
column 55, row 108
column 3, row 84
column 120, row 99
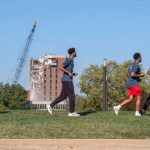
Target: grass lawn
column 39, row 124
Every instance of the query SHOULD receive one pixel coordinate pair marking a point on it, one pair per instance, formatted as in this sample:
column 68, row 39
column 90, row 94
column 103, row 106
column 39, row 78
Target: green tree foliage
column 13, row 96
column 2, row 108
column 91, row 84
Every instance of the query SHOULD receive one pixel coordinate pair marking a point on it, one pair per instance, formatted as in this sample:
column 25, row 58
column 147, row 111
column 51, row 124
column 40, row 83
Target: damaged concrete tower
column 45, row 80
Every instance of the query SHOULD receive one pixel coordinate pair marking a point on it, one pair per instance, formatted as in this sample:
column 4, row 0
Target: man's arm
column 133, row 75
column 132, row 72
column 64, row 65
column 62, row 68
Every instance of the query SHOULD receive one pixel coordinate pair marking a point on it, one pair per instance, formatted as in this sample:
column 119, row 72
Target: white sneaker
column 137, row 114
column 74, row 114
column 49, row 109
column 116, row 109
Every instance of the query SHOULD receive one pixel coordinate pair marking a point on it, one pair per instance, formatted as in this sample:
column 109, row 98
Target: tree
column 91, row 84
column 13, row 96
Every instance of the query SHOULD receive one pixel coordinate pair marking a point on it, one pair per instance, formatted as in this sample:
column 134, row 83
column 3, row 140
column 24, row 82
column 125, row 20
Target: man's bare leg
column 125, row 102
column 138, row 104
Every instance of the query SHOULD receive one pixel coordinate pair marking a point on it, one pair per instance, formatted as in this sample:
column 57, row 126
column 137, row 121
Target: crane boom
column 24, row 55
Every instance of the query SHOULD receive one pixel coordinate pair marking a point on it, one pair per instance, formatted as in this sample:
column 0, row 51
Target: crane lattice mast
column 24, row 55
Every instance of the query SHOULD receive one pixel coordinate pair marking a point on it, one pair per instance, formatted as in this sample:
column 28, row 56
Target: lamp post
column 105, row 90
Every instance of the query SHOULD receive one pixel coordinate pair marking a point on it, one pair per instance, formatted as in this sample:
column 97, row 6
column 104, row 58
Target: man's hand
column 71, row 74
column 142, row 74
column 75, row 74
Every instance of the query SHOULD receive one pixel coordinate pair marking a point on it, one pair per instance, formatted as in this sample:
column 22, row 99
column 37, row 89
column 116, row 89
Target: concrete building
column 45, row 80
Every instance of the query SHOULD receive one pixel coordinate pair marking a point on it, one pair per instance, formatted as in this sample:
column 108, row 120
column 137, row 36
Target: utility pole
column 105, row 89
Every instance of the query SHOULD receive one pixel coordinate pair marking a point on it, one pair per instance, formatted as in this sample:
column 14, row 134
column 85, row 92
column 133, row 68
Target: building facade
column 45, row 80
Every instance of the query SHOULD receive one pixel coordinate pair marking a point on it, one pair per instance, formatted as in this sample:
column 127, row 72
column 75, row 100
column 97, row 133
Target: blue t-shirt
column 133, row 81
column 68, row 65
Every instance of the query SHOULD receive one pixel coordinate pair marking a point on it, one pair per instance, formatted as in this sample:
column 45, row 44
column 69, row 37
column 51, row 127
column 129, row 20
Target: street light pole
column 105, row 90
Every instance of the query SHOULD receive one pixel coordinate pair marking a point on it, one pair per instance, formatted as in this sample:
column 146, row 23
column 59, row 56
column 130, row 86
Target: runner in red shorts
column 134, row 90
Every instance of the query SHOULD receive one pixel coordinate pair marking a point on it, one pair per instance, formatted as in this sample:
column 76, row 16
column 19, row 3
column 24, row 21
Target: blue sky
column 112, row 29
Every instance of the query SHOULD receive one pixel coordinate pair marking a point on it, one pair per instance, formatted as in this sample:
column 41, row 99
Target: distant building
column 45, row 80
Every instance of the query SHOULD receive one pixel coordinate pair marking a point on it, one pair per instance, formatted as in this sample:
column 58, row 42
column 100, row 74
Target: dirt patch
column 80, row 144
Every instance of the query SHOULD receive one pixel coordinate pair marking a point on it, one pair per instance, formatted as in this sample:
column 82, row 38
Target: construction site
column 45, row 76
column 45, row 80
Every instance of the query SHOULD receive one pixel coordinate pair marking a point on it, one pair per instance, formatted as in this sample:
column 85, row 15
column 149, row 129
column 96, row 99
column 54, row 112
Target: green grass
column 39, row 124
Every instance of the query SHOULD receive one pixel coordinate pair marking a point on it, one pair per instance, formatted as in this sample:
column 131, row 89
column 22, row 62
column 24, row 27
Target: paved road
column 97, row 144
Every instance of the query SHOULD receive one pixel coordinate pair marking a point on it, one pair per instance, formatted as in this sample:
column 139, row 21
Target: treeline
column 13, row 97
column 91, row 86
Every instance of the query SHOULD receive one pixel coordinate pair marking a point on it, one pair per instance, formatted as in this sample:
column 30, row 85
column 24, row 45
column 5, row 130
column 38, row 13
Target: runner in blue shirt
column 67, row 84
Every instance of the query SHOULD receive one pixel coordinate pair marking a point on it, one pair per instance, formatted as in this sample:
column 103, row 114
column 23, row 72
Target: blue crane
column 23, row 57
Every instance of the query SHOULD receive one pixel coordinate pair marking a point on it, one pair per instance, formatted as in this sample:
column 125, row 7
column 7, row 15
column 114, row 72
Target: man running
column 134, row 90
column 67, row 84
column 147, row 103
